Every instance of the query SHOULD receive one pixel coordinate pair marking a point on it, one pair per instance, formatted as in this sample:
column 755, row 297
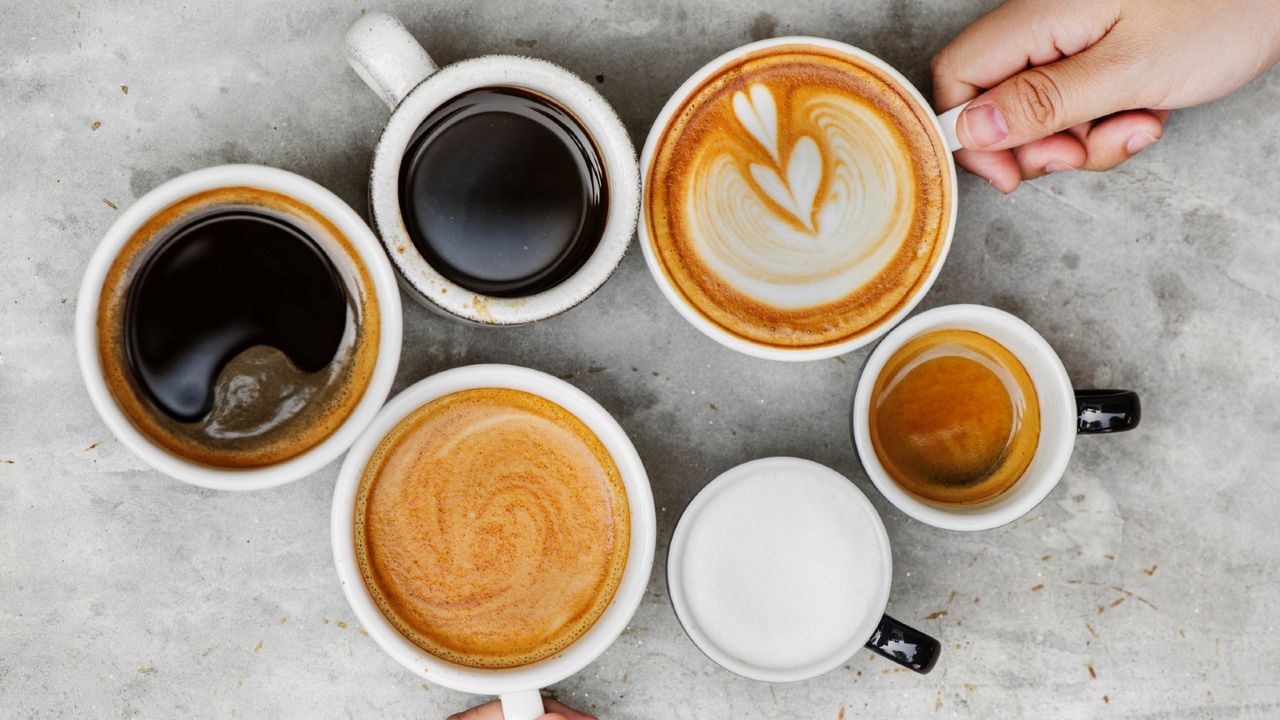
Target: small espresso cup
column 802, row 171
column 779, row 570
column 518, row 687
column 137, row 224
column 1065, row 412
column 403, row 75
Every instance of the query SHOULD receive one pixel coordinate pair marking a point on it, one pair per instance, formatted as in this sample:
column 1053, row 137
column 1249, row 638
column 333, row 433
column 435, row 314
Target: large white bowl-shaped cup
column 945, row 127
column 517, row 686
column 1064, row 413
column 402, row 74
column 322, row 201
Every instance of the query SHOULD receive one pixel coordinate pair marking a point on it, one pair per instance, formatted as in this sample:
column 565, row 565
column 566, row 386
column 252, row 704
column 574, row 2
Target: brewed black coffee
column 503, row 192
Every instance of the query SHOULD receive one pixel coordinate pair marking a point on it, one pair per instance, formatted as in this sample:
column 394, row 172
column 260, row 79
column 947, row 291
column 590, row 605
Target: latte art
column 798, row 199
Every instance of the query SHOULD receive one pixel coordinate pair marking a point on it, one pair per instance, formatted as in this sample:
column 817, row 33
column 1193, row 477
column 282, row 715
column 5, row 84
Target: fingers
column 1113, row 140
column 559, row 711
column 1059, row 152
column 491, row 710
column 998, row 168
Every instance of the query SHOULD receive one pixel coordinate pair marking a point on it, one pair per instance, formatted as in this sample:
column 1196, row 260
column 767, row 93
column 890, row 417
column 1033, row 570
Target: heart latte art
column 797, row 198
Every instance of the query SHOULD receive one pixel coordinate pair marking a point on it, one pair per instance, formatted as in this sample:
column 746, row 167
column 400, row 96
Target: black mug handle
column 1107, row 411
column 904, row 645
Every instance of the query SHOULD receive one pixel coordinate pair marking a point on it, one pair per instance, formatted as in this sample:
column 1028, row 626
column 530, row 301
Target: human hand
column 1087, row 85
column 492, row 710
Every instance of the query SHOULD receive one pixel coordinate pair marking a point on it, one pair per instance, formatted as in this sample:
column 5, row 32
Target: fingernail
column 1139, row 141
column 1057, row 166
column 985, row 125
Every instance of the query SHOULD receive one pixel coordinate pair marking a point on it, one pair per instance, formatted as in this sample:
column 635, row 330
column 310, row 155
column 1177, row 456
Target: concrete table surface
column 1144, row 586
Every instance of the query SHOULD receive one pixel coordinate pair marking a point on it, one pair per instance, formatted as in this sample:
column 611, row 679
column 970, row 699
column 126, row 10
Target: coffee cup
column 1063, row 413
column 238, row 371
column 355, row 554
column 494, row 223
column 799, row 198
column 779, row 570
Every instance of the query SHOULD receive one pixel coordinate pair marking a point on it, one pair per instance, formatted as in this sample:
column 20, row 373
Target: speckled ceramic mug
column 402, row 74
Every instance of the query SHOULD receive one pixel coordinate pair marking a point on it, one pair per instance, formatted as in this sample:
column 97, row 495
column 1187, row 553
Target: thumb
column 1044, row 100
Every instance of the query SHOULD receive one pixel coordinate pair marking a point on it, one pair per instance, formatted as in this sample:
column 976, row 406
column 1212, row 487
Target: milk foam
column 780, row 568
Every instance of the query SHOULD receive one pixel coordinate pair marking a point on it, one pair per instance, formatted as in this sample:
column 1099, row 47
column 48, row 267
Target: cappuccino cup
column 930, row 395
column 799, row 198
column 505, row 189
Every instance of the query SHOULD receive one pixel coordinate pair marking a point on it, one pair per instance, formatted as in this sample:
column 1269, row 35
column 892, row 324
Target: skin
column 1088, row 84
column 492, row 710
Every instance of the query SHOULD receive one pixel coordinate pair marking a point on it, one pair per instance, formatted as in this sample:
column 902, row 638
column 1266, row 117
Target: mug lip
column 597, row 117
column 675, row 585
column 732, row 340
column 627, row 597
column 1003, row 509
column 370, row 254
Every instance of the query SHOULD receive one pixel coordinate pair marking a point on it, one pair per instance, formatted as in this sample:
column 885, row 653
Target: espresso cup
column 788, row 222
column 780, row 569
column 111, row 286
column 1064, row 413
column 517, row 685
column 401, row 73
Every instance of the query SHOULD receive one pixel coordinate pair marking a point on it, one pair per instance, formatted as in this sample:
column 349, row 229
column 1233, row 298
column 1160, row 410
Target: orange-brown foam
column 705, row 131
column 491, row 527
column 331, row 399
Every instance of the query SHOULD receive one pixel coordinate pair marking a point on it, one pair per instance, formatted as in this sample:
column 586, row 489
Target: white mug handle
column 948, row 122
column 523, row 705
column 389, row 60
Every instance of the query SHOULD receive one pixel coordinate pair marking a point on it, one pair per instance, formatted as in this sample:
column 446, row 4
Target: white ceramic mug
column 944, row 126
column 400, row 72
column 1064, row 413
column 308, row 193
column 791, row 523
column 518, row 686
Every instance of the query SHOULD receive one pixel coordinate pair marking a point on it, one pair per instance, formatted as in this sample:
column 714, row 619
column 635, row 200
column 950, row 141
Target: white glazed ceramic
column 518, row 686
column 1057, row 417
column 315, row 197
column 689, row 519
column 400, row 72
column 944, row 126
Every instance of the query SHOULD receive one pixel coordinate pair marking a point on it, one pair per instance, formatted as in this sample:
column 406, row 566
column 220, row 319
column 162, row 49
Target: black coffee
column 219, row 285
column 503, row 192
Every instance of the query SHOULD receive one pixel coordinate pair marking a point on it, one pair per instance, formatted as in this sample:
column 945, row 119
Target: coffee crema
column 491, row 528
column 238, row 328
column 954, row 417
column 798, row 197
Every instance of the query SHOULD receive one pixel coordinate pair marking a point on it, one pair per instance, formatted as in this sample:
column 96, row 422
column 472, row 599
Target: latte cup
column 320, row 203
column 518, row 687
column 1065, row 413
column 400, row 72
column 777, row 195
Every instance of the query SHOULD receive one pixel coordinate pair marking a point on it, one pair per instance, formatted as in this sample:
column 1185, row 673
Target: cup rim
column 675, row 585
column 1009, row 506
column 597, row 118
column 705, row 325
column 322, row 201
column 631, row 588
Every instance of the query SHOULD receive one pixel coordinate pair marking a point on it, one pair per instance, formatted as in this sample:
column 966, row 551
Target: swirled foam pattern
column 492, row 528
column 798, row 198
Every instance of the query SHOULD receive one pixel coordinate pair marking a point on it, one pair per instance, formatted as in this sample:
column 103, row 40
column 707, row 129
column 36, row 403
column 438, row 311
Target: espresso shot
column 238, row 328
column 503, row 192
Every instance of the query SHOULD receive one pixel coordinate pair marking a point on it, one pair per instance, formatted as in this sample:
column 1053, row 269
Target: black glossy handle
column 904, row 645
column 1107, row 411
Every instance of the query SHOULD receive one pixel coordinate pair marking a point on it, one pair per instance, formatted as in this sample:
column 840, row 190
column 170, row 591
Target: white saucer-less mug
column 518, row 686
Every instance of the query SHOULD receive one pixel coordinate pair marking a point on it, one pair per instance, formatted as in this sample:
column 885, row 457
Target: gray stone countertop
column 1144, row 586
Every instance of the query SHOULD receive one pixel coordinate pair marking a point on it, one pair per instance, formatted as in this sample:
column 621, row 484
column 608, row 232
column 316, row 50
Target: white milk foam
column 780, row 568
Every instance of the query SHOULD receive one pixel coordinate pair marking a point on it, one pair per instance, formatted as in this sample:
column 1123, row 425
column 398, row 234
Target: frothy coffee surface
column 492, row 528
column 238, row 328
column 798, row 197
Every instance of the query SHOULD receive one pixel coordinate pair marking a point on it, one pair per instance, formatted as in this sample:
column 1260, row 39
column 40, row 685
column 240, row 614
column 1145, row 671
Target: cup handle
column 948, row 122
column 389, row 60
column 523, row 705
column 1107, row 411
column 904, row 645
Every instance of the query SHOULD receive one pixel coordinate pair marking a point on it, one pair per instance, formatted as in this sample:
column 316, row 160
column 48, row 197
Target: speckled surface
column 1144, row 586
